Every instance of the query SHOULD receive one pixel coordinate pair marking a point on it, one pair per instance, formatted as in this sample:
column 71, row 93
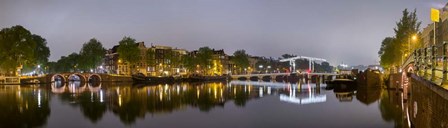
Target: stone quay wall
column 427, row 103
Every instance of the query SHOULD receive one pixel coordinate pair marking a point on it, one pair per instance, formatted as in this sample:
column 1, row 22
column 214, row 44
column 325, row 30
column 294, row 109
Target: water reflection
column 131, row 103
column 391, row 108
column 368, row 95
column 303, row 95
column 23, row 106
column 28, row 106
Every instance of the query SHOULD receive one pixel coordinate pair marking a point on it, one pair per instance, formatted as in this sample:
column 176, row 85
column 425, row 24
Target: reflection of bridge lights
column 234, row 91
column 57, row 87
column 76, row 87
column 101, row 96
column 269, row 90
column 307, row 100
column 39, row 98
column 260, row 92
column 94, row 89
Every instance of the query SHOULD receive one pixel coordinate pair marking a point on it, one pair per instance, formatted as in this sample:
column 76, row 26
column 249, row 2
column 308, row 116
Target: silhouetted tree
column 240, row 59
column 19, row 47
column 91, row 54
column 128, row 51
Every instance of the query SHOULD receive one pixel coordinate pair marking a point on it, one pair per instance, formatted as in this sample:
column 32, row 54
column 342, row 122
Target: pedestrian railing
column 431, row 63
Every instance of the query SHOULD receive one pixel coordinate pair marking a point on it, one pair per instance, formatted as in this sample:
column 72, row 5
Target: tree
column 68, row 64
column 386, row 42
column 128, row 51
column 406, row 28
column 392, row 50
column 327, row 67
column 41, row 54
column 388, row 52
column 204, row 58
column 91, row 54
column 189, row 62
column 240, row 59
column 175, row 59
column 19, row 47
column 284, row 56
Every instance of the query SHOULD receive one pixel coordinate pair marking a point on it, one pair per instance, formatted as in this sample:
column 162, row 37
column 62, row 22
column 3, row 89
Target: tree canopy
column 128, row 50
column 204, row 58
column 240, row 59
column 19, row 47
column 393, row 49
column 91, row 54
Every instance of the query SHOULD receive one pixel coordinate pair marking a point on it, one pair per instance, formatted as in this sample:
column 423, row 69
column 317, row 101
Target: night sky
column 347, row 31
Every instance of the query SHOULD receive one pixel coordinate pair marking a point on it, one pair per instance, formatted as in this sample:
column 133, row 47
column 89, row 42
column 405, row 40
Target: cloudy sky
column 348, row 31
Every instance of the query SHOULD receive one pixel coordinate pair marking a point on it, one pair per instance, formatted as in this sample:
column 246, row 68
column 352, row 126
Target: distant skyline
column 348, row 31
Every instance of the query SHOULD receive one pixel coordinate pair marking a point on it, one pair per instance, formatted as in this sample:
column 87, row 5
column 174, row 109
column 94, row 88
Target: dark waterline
column 234, row 104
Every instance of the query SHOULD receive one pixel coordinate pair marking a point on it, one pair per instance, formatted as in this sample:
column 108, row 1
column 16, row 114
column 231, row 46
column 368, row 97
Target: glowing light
column 101, row 96
column 119, row 100
column 215, row 93
column 198, row 93
column 309, row 100
column 39, row 97
column 269, row 90
column 414, row 37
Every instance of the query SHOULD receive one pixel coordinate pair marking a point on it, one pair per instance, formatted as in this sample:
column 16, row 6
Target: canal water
column 235, row 104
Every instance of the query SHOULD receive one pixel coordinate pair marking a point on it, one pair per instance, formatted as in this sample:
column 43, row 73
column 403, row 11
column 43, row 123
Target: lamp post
column 413, row 38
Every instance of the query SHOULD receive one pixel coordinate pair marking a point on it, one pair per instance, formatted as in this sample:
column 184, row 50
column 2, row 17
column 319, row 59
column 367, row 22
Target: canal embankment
column 427, row 103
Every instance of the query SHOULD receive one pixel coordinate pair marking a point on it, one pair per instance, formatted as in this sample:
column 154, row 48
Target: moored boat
column 151, row 79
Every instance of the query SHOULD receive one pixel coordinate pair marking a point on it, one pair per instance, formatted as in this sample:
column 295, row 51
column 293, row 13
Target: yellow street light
column 414, row 37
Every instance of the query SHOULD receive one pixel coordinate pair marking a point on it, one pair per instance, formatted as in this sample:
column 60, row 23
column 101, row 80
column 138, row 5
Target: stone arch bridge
column 71, row 77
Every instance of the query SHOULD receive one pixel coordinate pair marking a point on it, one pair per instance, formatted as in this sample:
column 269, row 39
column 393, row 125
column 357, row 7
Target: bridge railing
column 431, row 63
column 9, row 80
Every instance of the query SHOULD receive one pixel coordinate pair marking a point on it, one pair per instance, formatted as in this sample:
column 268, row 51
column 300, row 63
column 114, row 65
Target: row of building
column 441, row 30
column 167, row 61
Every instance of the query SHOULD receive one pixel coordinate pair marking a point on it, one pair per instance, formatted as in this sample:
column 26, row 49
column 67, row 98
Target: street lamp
column 413, row 38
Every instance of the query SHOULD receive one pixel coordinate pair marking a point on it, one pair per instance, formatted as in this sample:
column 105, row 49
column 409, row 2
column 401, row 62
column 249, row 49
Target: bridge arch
column 94, row 78
column 410, row 68
column 77, row 77
column 58, row 77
